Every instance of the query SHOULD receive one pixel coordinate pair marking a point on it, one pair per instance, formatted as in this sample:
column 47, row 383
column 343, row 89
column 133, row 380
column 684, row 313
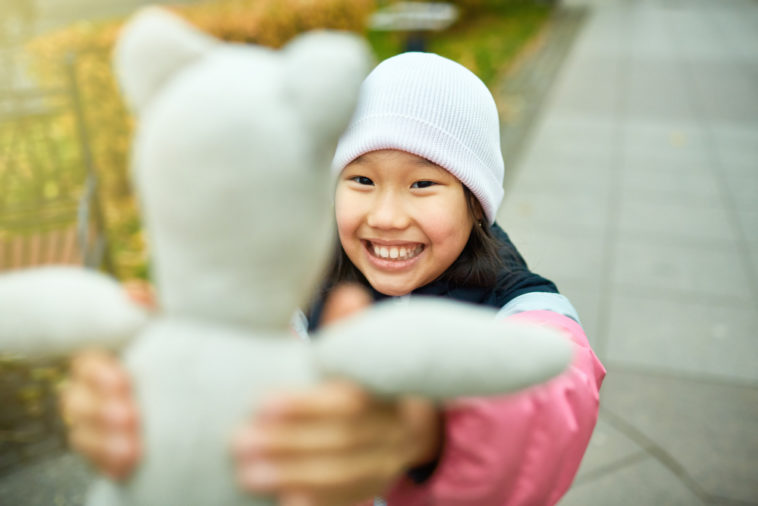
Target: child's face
column 402, row 220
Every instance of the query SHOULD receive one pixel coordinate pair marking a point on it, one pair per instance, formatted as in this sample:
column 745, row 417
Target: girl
column 419, row 182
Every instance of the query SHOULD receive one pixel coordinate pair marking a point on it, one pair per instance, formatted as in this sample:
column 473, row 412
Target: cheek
column 449, row 238
column 448, row 226
column 346, row 214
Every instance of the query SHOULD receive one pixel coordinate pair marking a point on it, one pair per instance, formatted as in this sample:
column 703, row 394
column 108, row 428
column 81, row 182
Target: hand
column 333, row 445
column 98, row 407
column 101, row 414
column 141, row 292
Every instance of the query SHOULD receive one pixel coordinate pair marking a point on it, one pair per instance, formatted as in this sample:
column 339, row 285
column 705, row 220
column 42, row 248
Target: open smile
column 395, row 252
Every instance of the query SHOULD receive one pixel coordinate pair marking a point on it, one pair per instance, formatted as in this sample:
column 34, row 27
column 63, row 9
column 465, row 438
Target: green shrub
column 486, row 39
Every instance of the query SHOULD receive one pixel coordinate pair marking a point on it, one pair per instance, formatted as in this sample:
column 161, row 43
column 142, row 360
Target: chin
column 391, row 289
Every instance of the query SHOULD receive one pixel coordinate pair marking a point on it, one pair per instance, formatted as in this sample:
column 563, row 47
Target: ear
column 324, row 71
column 151, row 48
column 475, row 206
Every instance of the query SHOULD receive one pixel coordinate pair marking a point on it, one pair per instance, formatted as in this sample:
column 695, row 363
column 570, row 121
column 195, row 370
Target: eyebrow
column 426, row 162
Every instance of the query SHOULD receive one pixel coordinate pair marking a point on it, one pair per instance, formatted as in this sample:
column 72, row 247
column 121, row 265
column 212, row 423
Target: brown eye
column 423, row 184
column 363, row 180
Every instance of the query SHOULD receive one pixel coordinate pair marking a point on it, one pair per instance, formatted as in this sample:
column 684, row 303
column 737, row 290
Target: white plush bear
column 231, row 162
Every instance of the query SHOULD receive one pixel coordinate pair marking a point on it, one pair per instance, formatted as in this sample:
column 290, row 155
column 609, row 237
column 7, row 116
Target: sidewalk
column 638, row 194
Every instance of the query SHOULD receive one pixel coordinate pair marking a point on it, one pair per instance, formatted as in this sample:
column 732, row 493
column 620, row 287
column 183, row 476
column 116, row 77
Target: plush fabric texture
column 406, row 346
column 435, row 108
column 53, row 311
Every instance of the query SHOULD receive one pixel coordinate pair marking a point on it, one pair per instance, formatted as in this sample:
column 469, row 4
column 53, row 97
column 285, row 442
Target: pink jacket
column 516, row 450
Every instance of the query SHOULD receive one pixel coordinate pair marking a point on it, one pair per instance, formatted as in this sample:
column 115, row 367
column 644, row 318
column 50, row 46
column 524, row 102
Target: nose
column 387, row 212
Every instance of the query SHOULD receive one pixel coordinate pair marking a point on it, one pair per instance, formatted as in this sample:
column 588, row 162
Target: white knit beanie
column 434, row 108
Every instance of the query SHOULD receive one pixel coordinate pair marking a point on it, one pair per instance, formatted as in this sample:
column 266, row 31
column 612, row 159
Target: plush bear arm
column 54, row 311
column 441, row 350
column 518, row 449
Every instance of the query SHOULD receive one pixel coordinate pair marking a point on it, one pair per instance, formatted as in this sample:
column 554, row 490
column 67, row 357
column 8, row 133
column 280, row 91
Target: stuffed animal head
column 231, row 162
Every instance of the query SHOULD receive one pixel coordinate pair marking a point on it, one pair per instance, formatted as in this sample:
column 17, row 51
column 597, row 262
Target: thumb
column 343, row 301
column 141, row 292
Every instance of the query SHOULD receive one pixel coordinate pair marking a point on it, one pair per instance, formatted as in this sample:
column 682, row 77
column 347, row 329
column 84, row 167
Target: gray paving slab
column 675, row 220
column 656, row 89
column 684, row 162
column 561, row 255
column 704, row 430
column 736, row 146
column 586, row 98
column 567, row 131
column 744, row 192
column 660, row 332
column 645, row 481
column 726, row 92
column 599, row 37
column 681, row 144
column 713, row 271
column 558, row 209
column 609, row 448
column 568, row 152
column 753, row 254
column 748, row 222
column 669, row 136
column 648, row 182
column 566, row 170
column 59, row 481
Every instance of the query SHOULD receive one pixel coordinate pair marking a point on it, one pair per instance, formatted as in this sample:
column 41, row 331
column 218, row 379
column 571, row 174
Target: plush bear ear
column 324, row 73
column 151, row 48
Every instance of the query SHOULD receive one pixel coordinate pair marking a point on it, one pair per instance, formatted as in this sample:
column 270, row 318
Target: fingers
column 324, row 479
column 343, row 301
column 141, row 292
column 81, row 405
column 283, row 439
column 100, row 371
column 114, row 455
column 337, row 399
column 100, row 413
column 331, row 445
column 323, row 418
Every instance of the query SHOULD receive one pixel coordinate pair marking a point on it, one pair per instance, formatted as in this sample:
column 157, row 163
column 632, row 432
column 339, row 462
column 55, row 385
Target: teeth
column 395, row 252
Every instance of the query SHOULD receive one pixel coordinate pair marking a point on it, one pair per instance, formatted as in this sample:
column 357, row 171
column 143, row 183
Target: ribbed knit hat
column 435, row 108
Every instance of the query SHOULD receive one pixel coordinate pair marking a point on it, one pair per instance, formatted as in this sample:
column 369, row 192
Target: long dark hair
column 478, row 265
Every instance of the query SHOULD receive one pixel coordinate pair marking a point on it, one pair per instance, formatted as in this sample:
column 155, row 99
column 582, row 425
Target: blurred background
column 630, row 135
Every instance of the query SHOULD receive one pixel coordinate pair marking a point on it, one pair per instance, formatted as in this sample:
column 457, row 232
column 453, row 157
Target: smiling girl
column 419, row 181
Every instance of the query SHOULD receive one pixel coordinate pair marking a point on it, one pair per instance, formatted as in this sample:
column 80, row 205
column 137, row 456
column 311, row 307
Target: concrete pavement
column 637, row 192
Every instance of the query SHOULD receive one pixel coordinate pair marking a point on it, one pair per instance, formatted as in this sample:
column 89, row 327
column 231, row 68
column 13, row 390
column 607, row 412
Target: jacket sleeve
column 515, row 450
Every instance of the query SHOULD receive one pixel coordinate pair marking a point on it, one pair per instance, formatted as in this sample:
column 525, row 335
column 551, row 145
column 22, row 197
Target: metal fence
column 49, row 213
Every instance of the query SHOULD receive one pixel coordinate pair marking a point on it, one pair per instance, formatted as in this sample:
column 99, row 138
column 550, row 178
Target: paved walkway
column 638, row 194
